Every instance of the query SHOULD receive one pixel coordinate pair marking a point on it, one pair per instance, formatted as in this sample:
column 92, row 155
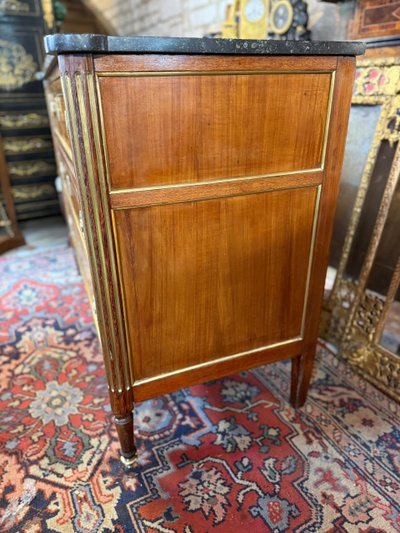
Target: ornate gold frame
column 353, row 316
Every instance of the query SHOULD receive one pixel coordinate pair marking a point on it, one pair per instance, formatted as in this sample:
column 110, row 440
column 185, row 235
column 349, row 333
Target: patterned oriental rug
column 224, row 456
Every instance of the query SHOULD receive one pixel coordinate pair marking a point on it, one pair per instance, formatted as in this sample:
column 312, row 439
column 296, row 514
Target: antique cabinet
column 200, row 178
column 24, row 123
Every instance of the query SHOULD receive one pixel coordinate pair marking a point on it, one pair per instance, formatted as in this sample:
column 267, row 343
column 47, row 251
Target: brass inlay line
column 160, row 73
column 118, row 280
column 101, row 140
column 67, row 90
column 98, row 226
column 109, row 239
column 328, row 119
column 213, row 182
column 86, row 283
column 103, row 133
column 219, row 73
column 215, row 361
column 64, row 144
column 222, row 196
column 311, row 256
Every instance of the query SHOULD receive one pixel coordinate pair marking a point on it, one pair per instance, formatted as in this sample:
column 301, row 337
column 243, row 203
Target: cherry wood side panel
column 208, row 279
column 208, row 127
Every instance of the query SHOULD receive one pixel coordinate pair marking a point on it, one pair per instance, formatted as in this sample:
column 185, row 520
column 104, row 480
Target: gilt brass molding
column 84, row 124
column 125, row 377
column 161, row 73
column 75, row 140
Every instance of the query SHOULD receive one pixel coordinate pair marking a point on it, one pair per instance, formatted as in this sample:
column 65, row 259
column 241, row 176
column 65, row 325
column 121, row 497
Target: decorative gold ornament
column 380, row 78
column 14, row 6
column 32, row 192
column 281, row 17
column 230, row 27
column 253, row 19
column 17, row 67
column 23, row 145
column 48, row 13
column 24, row 169
column 23, row 120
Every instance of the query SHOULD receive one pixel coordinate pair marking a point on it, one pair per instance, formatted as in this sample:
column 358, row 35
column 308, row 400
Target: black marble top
column 99, row 44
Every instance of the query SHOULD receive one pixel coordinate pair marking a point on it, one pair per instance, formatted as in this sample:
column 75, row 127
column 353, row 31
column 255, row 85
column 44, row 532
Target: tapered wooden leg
column 294, row 384
column 302, row 367
column 125, row 433
column 307, row 362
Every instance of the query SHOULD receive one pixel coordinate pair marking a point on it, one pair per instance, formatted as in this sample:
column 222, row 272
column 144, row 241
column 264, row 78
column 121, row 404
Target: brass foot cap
column 129, row 461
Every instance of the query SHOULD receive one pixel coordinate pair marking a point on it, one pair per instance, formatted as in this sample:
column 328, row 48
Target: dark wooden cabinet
column 201, row 178
column 24, row 123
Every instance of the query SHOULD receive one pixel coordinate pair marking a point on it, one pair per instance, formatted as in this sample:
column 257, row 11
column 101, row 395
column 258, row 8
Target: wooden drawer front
column 59, row 119
column 212, row 126
column 208, row 279
column 80, row 248
column 69, row 183
column 78, row 242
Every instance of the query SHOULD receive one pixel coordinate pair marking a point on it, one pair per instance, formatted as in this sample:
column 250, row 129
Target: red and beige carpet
column 224, row 456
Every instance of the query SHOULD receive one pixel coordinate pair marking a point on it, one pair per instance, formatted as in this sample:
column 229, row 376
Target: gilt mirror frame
column 353, row 315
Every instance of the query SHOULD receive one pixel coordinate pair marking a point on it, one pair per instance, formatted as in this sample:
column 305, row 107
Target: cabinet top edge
column 102, row 44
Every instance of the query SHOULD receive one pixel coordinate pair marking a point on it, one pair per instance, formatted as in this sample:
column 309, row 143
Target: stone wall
column 178, row 18
column 194, row 18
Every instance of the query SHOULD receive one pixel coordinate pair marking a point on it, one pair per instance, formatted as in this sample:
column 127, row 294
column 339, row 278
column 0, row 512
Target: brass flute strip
column 113, row 352
column 102, row 176
column 67, row 90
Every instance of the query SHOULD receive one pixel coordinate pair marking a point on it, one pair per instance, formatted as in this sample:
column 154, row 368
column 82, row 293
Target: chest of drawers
column 200, row 179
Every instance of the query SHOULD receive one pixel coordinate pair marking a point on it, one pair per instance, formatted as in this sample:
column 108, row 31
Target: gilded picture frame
column 353, row 315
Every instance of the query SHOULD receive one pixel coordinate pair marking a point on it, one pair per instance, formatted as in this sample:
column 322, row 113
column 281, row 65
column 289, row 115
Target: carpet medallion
column 223, row 456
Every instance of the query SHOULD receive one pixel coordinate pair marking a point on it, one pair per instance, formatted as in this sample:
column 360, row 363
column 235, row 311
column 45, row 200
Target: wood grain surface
column 203, row 280
column 207, row 196
column 195, row 128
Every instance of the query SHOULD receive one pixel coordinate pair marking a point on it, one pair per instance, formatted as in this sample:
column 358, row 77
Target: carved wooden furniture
column 200, row 177
column 365, row 297
column 24, row 123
